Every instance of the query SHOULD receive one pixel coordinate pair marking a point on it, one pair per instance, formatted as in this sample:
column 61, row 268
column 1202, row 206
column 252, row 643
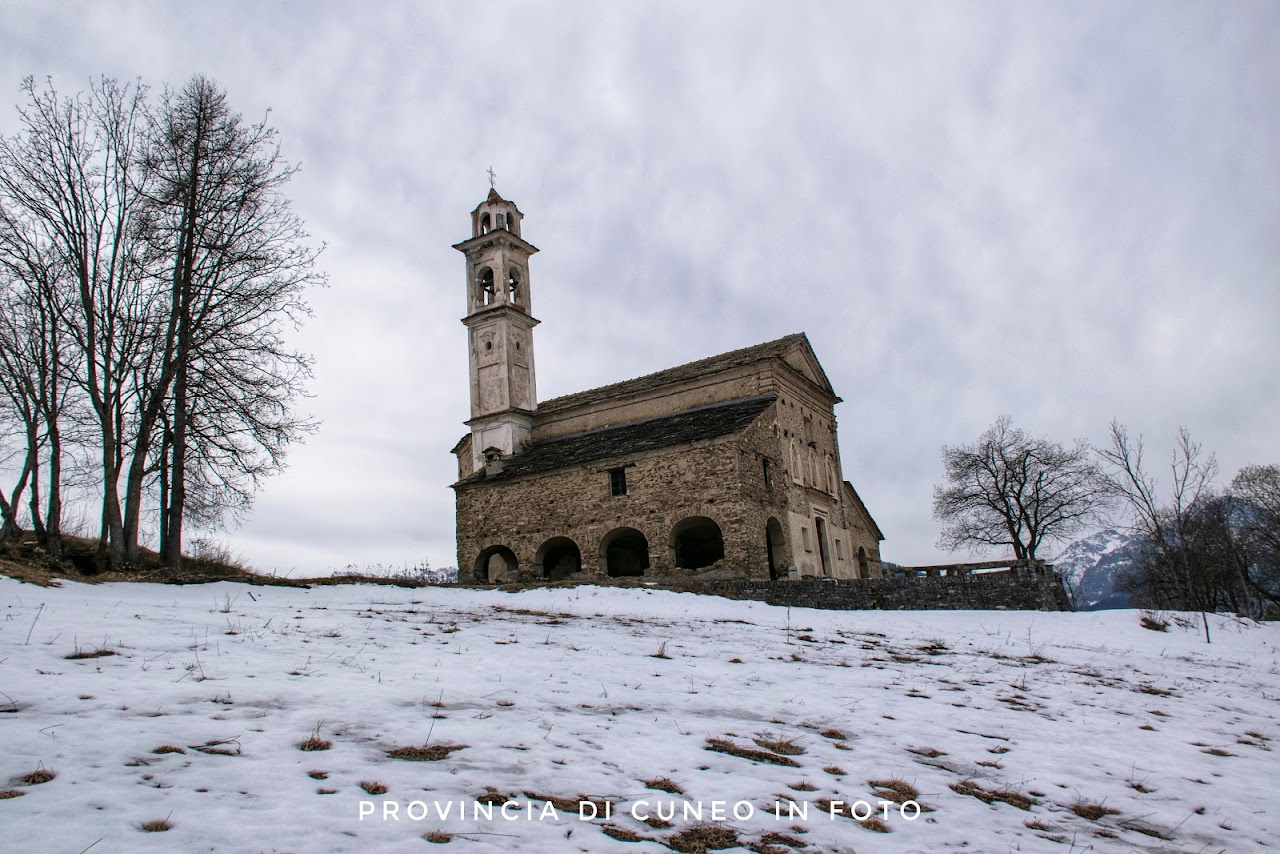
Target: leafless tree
column 238, row 264
column 1011, row 489
column 157, row 266
column 68, row 177
column 1256, row 489
column 1192, row 558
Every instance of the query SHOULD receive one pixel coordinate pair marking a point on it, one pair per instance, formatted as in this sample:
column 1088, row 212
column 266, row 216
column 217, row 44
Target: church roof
column 733, row 359
column 650, row 434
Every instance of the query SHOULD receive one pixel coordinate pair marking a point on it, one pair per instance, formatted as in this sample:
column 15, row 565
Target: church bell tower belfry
column 499, row 325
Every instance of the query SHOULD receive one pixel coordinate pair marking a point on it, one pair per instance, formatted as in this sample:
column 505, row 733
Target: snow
column 558, row 692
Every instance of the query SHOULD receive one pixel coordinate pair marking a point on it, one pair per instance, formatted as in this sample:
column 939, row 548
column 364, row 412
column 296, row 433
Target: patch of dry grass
column 432, row 753
column 803, row 786
column 835, row 770
column 894, row 789
column 1092, row 810
column 664, row 784
column 786, row 747
column 438, row 836
column 988, row 796
column 315, row 742
column 38, row 776
column 97, row 652
column 1152, row 621
column 702, row 838
column 11, row 793
column 621, row 833
column 720, row 745
column 870, row 822
column 493, row 797
column 318, row 775
column 373, row 787
column 833, row 734
column 569, row 804
column 159, row 825
column 169, row 748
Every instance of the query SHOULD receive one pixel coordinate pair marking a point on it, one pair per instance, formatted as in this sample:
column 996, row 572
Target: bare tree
column 156, row 266
column 238, row 263
column 33, row 385
column 1011, row 489
column 1191, row 559
column 68, row 177
column 1256, row 489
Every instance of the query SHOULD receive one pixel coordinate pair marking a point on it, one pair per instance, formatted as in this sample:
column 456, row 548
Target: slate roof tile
column 650, row 434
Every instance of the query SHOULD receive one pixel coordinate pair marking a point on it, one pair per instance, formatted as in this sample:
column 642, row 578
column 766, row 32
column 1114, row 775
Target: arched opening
column 626, row 552
column 864, row 568
column 775, row 545
column 485, row 223
column 513, row 286
column 486, row 285
column 495, row 565
column 696, row 542
column 558, row 558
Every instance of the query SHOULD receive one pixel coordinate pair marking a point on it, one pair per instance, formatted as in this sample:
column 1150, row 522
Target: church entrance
column 626, row 552
column 558, row 558
column 773, row 546
column 696, row 542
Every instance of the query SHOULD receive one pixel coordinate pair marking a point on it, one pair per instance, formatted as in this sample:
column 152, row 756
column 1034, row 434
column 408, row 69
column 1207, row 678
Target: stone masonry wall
column 663, row 488
column 1016, row 589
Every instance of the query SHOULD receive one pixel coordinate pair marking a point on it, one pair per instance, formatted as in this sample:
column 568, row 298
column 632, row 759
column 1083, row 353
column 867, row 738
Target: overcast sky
column 1063, row 212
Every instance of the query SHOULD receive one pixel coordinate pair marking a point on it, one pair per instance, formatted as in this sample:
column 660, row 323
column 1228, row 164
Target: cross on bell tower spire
column 493, row 179
column 499, row 325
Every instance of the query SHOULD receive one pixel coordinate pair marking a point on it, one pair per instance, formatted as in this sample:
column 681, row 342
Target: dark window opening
column 697, row 542
column 484, row 224
column 513, row 287
column 486, row 286
column 618, row 481
column 559, row 558
column 626, row 553
column 768, row 483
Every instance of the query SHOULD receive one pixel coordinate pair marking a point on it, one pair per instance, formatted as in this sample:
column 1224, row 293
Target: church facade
column 724, row 467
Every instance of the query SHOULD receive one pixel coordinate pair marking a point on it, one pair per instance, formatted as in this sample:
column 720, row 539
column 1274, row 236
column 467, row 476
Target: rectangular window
column 839, row 551
column 767, row 483
column 618, row 481
column 804, row 535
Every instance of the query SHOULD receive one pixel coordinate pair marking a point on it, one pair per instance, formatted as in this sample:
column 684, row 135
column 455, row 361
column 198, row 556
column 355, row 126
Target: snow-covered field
column 1162, row 742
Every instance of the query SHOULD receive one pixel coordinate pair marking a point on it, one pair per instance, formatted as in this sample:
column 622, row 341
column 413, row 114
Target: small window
column 618, row 481
column 768, row 483
column 804, row 537
column 839, row 551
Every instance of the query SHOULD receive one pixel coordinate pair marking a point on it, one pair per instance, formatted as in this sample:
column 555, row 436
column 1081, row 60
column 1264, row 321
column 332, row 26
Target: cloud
column 1063, row 212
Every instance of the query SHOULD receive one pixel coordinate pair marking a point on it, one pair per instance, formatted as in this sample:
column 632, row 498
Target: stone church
column 724, row 467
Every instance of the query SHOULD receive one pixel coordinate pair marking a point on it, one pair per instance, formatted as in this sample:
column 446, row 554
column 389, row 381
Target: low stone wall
column 1014, row 590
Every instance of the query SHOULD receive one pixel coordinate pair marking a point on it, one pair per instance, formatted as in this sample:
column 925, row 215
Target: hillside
column 1017, row 731
column 1092, row 564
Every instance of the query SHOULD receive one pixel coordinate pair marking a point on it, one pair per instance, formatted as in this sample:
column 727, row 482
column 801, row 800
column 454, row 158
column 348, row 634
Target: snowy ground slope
column 557, row 692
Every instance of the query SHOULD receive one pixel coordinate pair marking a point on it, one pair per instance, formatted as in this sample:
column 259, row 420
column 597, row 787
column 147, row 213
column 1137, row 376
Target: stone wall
column 1015, row 590
column 663, row 488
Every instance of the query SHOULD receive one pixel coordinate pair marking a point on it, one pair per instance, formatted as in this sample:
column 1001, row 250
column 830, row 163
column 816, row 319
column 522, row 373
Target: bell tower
column 499, row 325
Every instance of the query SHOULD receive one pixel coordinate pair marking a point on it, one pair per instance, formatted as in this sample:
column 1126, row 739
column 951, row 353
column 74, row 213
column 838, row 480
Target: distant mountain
column 1090, row 566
